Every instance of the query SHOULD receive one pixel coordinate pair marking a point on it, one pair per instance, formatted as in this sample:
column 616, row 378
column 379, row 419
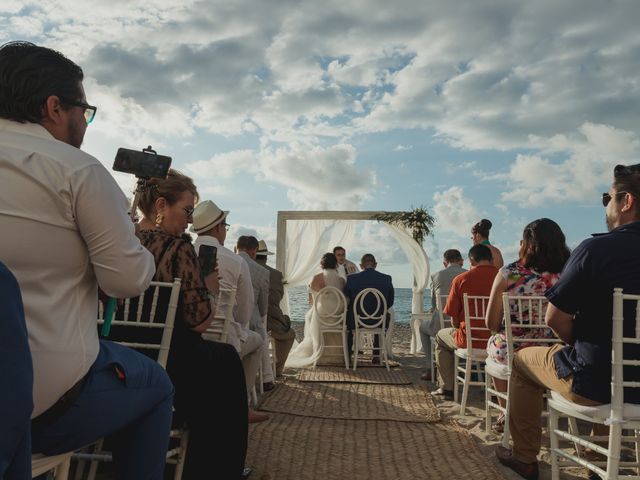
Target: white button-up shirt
column 234, row 273
column 65, row 230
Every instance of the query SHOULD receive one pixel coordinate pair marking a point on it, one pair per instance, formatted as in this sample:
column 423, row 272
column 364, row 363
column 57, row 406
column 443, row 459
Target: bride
column 308, row 351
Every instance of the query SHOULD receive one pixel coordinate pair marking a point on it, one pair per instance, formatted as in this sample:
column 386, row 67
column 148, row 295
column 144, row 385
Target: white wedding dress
column 308, row 351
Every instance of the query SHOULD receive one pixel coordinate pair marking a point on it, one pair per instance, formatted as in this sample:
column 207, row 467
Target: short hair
column 452, row 255
column 29, row 75
column 328, row 261
column 335, row 249
column 169, row 188
column 368, row 259
column 482, row 228
column 480, row 252
column 627, row 179
column 247, row 242
column 544, row 246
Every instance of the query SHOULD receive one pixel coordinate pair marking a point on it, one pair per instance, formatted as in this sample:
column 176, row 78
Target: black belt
column 59, row 408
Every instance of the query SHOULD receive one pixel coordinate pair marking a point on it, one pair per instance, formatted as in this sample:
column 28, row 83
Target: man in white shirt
column 209, row 222
column 65, row 231
column 345, row 267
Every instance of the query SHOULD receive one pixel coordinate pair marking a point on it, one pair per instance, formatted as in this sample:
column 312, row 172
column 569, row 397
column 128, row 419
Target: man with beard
column 580, row 313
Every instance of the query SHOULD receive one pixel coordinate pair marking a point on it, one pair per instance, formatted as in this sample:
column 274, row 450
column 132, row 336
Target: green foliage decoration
column 418, row 220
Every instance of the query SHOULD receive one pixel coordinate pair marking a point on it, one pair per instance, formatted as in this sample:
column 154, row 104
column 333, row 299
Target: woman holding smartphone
column 208, row 376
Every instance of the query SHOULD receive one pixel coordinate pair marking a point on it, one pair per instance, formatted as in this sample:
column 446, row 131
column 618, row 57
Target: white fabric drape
column 307, row 241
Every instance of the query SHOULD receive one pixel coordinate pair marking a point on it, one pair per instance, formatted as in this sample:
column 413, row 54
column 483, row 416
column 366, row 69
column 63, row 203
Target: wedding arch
column 303, row 236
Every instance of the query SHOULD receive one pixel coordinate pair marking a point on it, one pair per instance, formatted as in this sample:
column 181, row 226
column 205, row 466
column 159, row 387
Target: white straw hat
column 207, row 215
column 262, row 248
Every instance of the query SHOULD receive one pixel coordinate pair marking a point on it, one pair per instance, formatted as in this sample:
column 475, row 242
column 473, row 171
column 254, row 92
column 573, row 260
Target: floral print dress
column 520, row 281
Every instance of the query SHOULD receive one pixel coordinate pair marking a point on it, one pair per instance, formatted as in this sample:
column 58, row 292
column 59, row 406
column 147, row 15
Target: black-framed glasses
column 606, row 197
column 188, row 211
column 226, row 226
column 89, row 110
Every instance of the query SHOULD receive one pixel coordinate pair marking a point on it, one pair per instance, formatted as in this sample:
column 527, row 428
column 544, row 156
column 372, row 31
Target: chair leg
column 456, row 365
column 184, row 444
column 345, row 350
column 573, row 428
column 383, row 341
column 506, row 434
column 94, row 464
column 554, row 443
column 613, row 455
column 465, row 386
column 487, row 398
column 433, row 359
column 637, row 445
column 356, row 348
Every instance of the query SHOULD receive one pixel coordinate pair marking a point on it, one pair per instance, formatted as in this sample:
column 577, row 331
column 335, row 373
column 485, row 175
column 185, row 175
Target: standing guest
column 278, row 324
column 66, row 232
column 543, row 253
column 209, row 222
column 480, row 236
column 475, row 282
column 247, row 246
column 16, row 377
column 208, row 376
column 440, row 285
column 369, row 277
column 345, row 267
column 580, row 313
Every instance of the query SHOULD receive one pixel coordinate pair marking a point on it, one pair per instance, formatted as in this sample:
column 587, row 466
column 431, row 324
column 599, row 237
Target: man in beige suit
column 278, row 324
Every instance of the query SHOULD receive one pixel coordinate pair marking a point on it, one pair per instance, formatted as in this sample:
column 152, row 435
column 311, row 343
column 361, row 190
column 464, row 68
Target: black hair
column 482, row 228
column 29, row 75
column 452, row 255
column 335, row 249
column 544, row 246
column 247, row 242
column 368, row 259
column 480, row 252
column 627, row 179
column 328, row 261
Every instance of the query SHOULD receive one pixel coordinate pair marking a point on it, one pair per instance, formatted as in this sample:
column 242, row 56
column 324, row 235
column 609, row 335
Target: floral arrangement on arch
column 418, row 220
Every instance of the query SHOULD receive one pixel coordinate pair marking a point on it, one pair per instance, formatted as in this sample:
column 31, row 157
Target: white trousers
column 251, row 355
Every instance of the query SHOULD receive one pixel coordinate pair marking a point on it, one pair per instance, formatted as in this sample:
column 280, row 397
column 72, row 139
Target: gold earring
column 159, row 219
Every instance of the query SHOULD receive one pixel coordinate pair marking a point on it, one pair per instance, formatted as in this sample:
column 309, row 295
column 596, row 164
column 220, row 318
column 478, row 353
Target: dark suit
column 357, row 282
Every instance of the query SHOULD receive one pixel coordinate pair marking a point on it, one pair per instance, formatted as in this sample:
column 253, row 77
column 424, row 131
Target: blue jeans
column 135, row 411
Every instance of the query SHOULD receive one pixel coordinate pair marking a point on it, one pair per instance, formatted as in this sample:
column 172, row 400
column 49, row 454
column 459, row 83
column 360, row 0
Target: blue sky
column 504, row 110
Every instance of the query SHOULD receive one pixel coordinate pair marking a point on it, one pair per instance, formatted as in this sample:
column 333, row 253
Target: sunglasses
column 188, row 211
column 89, row 110
column 606, row 197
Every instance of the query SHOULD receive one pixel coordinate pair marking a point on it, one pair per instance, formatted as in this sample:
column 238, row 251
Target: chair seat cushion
column 497, row 370
column 476, row 353
column 630, row 410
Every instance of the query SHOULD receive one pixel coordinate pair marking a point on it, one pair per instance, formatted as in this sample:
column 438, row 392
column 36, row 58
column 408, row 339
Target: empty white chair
column 138, row 313
column 369, row 322
column 475, row 308
column 617, row 415
column 330, row 306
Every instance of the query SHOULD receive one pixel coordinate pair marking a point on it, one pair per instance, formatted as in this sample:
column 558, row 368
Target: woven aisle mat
column 362, row 375
column 288, row 447
column 355, row 401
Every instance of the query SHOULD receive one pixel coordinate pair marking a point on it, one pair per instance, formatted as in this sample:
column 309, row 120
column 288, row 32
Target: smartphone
column 207, row 257
column 143, row 164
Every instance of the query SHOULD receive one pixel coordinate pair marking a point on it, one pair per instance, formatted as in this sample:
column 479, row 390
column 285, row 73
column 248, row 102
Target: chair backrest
column 619, row 365
column 524, row 322
column 445, row 320
column 475, row 308
column 370, row 309
column 330, row 306
column 219, row 328
column 155, row 309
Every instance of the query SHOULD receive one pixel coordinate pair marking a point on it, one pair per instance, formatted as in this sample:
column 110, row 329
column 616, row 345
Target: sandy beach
column 473, row 421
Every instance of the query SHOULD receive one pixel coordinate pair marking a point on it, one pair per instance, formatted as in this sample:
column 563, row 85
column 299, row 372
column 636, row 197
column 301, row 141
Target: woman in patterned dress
column 543, row 253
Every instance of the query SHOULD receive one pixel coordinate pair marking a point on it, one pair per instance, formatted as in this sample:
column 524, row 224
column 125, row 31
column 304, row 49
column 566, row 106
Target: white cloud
column 225, row 165
column 454, row 212
column 402, row 148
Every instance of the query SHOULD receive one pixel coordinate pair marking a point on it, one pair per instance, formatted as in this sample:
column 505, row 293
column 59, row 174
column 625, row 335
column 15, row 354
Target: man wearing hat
column 278, row 324
column 209, row 222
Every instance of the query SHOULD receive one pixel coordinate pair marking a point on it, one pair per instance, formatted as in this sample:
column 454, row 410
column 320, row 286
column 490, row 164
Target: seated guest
column 16, row 377
column 475, row 282
column 440, row 285
column 580, row 313
column 247, row 247
column 65, row 231
column 308, row 351
column 480, row 236
column 543, row 253
column 208, row 376
column 210, row 223
column 369, row 277
column 278, row 324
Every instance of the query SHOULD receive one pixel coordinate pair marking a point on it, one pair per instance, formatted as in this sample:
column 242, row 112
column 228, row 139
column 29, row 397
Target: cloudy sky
column 507, row 110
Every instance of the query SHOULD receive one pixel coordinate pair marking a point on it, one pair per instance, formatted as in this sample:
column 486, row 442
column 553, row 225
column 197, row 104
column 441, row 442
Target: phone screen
column 207, row 259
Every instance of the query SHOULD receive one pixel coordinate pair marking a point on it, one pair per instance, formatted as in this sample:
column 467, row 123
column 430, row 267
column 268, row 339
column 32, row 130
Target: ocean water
column 298, row 303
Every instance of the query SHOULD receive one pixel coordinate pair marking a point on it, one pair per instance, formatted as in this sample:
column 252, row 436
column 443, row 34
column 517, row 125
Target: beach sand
column 473, row 421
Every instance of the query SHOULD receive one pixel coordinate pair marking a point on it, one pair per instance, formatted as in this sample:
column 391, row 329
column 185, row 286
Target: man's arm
column 244, row 295
column 454, row 307
column 263, row 295
column 122, row 266
column 561, row 323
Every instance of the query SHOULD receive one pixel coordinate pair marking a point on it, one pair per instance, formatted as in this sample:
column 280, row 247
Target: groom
column 369, row 277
